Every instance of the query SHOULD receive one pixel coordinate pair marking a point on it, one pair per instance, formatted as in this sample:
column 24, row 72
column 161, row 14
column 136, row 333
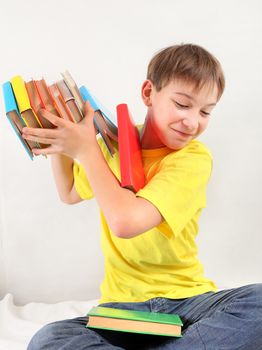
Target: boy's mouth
column 182, row 133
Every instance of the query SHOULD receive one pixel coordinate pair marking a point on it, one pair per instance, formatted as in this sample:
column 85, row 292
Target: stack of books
column 24, row 99
column 144, row 322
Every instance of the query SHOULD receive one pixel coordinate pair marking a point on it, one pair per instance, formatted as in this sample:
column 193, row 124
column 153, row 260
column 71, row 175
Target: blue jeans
column 226, row 320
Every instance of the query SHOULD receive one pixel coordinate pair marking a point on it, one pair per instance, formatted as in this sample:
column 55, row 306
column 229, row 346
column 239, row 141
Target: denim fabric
column 226, row 320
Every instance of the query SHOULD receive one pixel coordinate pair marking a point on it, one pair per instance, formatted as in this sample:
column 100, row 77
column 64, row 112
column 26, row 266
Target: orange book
column 44, row 95
column 130, row 155
column 36, row 103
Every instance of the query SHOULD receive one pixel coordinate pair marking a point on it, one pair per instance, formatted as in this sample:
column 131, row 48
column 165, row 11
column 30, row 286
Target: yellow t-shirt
column 161, row 262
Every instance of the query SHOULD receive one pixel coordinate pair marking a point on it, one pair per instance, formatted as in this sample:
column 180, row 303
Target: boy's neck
column 148, row 138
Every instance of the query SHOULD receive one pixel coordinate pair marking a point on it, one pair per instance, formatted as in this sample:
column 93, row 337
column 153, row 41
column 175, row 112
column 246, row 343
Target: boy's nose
column 190, row 125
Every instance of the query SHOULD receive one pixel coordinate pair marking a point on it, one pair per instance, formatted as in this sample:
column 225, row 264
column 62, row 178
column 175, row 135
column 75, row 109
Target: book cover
column 23, row 103
column 104, row 125
column 109, row 118
column 130, row 155
column 15, row 118
column 135, row 321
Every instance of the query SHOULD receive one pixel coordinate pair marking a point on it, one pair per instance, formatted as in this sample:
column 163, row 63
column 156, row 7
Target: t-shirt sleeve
column 81, row 182
column 178, row 189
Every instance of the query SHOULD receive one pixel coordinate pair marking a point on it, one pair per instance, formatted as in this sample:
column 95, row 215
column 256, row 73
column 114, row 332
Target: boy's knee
column 256, row 291
column 254, row 298
column 41, row 340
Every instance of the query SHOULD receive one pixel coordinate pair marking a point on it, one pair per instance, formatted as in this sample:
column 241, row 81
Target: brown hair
column 189, row 62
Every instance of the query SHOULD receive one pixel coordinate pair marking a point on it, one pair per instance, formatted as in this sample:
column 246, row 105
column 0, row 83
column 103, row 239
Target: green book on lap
column 135, row 321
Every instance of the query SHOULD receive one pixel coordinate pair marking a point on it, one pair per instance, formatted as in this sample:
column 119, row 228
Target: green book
column 135, row 321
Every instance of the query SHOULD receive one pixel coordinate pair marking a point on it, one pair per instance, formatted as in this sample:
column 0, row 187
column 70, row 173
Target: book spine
column 131, row 164
column 20, row 93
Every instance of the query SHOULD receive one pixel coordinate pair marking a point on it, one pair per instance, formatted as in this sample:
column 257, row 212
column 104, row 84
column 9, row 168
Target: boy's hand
column 67, row 138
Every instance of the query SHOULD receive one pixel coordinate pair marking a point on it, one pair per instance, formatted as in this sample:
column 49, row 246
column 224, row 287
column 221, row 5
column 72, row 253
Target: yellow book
column 23, row 102
column 29, row 117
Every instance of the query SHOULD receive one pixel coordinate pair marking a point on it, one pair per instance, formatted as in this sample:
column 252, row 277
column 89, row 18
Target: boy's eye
column 180, row 105
column 205, row 113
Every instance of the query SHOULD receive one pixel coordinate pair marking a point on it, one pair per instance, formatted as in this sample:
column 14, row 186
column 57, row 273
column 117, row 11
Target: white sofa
column 19, row 323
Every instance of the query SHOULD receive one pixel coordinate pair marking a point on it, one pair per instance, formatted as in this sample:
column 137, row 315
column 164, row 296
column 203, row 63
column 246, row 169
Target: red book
column 46, row 101
column 131, row 164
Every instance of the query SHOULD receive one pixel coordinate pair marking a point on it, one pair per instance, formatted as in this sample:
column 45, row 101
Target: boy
column 148, row 237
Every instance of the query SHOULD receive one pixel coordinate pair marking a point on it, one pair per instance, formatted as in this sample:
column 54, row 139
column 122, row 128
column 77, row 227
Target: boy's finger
column 42, row 132
column 44, row 140
column 45, row 151
column 57, row 121
column 89, row 110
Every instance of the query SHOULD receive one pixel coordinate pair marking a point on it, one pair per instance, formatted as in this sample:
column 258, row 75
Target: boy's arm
column 62, row 167
column 129, row 215
column 126, row 214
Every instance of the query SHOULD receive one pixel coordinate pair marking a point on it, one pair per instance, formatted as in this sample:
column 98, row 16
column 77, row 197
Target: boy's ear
column 146, row 92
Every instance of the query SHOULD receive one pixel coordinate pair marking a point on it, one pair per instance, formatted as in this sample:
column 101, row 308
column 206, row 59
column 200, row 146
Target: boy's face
column 176, row 114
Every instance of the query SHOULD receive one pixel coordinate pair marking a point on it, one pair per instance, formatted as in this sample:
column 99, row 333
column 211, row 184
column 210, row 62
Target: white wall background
column 50, row 251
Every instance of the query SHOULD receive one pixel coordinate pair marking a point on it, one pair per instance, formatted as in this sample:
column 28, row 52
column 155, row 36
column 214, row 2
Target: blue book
column 102, row 119
column 14, row 117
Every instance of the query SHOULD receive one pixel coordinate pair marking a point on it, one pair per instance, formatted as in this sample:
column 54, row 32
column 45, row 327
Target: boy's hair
column 189, row 62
